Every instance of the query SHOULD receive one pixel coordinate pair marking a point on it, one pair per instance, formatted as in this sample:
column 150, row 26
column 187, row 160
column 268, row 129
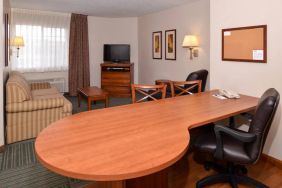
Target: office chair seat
column 233, row 150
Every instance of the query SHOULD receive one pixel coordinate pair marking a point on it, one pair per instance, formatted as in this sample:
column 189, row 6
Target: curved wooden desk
column 130, row 141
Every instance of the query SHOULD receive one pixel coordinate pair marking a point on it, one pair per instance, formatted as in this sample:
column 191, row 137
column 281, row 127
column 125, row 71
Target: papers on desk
column 219, row 96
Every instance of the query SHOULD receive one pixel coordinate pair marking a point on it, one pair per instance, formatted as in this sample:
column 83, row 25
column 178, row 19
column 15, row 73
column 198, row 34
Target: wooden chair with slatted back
column 147, row 91
column 179, row 88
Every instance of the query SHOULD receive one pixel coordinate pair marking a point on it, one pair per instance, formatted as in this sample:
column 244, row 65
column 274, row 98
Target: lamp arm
column 18, row 51
column 191, row 52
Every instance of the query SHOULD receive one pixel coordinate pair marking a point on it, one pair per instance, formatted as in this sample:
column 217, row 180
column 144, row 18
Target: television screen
column 117, row 52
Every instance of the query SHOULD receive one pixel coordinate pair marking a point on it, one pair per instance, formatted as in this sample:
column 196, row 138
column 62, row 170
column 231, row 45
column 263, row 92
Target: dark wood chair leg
column 106, row 102
column 78, row 99
column 89, row 104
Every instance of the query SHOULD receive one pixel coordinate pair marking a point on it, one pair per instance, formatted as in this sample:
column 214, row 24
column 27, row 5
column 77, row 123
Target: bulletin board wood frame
column 241, row 44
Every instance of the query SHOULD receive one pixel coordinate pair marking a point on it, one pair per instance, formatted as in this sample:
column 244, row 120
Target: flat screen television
column 117, row 52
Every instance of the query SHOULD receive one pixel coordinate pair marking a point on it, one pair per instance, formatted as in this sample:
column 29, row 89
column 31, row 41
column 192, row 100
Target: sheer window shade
column 46, row 37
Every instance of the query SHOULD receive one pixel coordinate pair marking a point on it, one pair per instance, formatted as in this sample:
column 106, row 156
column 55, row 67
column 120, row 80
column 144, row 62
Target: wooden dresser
column 116, row 78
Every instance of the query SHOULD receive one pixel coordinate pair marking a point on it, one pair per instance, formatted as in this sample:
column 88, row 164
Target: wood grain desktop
column 130, row 141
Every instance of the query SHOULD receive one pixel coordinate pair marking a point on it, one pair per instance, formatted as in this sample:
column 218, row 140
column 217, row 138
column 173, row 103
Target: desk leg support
column 112, row 184
column 157, row 180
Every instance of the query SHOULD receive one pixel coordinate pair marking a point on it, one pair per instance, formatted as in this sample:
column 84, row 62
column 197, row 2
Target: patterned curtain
column 78, row 54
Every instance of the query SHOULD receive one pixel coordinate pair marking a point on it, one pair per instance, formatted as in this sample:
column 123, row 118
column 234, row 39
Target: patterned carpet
column 19, row 167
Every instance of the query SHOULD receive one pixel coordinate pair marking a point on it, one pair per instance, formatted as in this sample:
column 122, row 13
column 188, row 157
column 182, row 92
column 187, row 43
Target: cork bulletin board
column 247, row 44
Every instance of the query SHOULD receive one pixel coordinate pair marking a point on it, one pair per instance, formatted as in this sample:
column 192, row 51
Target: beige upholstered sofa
column 31, row 107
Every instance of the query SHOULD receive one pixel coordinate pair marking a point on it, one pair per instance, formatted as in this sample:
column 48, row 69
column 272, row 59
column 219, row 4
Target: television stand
column 116, row 78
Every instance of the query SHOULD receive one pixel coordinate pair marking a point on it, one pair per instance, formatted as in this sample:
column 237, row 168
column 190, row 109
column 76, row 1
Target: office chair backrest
column 198, row 75
column 262, row 121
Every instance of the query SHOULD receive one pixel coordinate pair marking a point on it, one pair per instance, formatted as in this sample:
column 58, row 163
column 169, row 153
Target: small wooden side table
column 93, row 94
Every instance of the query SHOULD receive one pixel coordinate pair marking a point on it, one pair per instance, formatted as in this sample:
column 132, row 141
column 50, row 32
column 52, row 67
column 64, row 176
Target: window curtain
column 78, row 54
column 46, row 40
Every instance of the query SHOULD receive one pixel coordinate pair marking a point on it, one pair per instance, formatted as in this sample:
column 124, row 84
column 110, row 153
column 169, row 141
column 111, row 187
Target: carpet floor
column 19, row 167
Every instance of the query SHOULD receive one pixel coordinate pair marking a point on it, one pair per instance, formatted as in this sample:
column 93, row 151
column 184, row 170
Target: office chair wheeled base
column 230, row 176
column 240, row 169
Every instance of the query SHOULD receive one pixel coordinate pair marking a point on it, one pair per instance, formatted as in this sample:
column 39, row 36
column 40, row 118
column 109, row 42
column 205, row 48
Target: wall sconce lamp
column 18, row 42
column 191, row 41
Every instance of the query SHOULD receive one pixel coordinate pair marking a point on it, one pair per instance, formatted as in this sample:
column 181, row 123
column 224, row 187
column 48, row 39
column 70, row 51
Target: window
column 46, row 37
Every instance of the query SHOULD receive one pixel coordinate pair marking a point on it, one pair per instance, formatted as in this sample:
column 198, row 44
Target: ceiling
column 103, row 8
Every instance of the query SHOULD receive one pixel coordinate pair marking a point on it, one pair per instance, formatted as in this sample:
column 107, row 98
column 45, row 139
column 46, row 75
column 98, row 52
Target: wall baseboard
column 2, row 148
column 272, row 160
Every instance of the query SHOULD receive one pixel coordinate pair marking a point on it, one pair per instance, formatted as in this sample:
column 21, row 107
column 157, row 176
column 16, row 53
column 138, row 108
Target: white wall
column 191, row 18
column 249, row 78
column 111, row 31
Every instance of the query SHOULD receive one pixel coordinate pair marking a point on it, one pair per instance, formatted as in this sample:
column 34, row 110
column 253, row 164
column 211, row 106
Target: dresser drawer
column 109, row 82
column 117, row 89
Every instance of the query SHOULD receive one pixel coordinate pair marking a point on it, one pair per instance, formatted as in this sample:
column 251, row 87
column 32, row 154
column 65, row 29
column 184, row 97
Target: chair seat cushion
column 67, row 104
column 234, row 150
column 42, row 92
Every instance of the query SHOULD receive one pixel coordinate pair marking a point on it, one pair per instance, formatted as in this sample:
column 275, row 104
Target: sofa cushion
column 33, row 105
column 40, row 92
column 18, row 90
column 67, row 104
column 50, row 96
column 39, row 85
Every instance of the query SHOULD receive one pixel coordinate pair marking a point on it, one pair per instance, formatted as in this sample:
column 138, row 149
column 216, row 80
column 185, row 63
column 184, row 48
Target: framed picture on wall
column 6, row 28
column 157, row 45
column 170, row 44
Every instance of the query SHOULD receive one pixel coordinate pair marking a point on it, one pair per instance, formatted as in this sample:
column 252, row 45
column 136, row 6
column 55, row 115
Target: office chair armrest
column 238, row 135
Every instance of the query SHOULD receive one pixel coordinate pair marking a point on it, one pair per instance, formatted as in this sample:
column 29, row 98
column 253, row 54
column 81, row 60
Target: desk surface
column 132, row 140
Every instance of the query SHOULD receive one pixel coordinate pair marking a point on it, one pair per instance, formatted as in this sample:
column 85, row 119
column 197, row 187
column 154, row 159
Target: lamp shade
column 18, row 41
column 190, row 41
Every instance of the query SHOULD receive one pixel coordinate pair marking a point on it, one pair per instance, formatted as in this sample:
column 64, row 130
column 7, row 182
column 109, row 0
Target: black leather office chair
column 237, row 147
column 198, row 75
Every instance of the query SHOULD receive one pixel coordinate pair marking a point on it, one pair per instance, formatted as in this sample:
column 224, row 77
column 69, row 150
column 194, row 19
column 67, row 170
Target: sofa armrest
column 40, row 85
column 32, row 105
